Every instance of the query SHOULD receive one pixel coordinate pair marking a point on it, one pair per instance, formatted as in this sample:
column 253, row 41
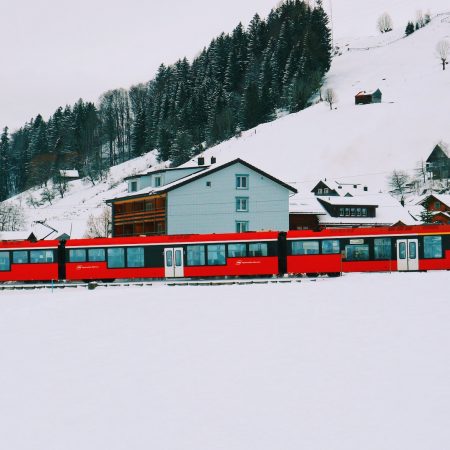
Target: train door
column 407, row 254
column 173, row 262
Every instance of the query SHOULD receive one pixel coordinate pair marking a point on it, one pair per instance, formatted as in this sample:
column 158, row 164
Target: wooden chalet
column 438, row 163
column 365, row 98
column 439, row 206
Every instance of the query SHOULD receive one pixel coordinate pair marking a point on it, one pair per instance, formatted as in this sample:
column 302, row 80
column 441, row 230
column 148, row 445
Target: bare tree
column 443, row 50
column 12, row 217
column 330, row 97
column 47, row 195
column 421, row 171
column 398, row 181
column 60, row 184
column 384, row 23
column 99, row 226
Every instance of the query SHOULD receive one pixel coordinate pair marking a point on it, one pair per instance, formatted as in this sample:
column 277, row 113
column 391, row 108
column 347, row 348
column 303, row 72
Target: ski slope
column 359, row 362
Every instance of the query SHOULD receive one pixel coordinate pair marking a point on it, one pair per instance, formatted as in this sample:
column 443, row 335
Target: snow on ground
column 359, row 362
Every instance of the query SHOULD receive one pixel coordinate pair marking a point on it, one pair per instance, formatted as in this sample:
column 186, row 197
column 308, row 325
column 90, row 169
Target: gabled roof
column 195, row 176
column 438, row 152
column 69, row 173
column 342, row 189
column 363, row 93
column 443, row 198
column 167, row 169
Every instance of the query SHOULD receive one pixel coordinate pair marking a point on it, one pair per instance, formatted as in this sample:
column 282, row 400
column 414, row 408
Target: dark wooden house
column 365, row 98
column 438, row 163
column 439, row 206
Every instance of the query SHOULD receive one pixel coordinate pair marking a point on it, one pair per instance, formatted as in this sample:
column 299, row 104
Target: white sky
column 55, row 51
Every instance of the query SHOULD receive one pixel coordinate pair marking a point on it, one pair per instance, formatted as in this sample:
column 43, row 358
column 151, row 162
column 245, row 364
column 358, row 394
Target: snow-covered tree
column 443, row 51
column 330, row 97
column 384, row 23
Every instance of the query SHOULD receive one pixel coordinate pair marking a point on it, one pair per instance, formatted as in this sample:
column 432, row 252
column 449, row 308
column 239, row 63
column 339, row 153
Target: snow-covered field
column 355, row 363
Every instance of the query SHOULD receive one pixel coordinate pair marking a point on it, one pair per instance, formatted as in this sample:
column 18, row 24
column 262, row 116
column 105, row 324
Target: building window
column 342, row 212
column 364, row 212
column 382, row 248
column 305, row 247
column 319, row 191
column 437, row 204
column 241, row 181
column 241, row 226
column 242, row 204
column 133, row 186
column 325, row 190
column 432, row 246
column 208, row 184
column 157, row 181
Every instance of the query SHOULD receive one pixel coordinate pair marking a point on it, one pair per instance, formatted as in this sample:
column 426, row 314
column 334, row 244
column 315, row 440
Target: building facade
column 232, row 197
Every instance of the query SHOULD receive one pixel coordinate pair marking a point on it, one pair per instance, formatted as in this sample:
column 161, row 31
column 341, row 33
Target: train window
column 237, row 250
column 135, row 257
column 96, row 254
column 77, row 255
column 5, row 263
column 305, row 247
column 116, row 257
column 41, row 256
column 216, row 254
column 402, row 250
column 330, row 246
column 195, row 255
column 20, row 257
column 382, row 248
column 356, row 252
column 432, row 246
column 257, row 249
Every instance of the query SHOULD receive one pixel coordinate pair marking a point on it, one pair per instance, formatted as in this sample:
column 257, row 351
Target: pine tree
column 4, row 165
column 409, row 29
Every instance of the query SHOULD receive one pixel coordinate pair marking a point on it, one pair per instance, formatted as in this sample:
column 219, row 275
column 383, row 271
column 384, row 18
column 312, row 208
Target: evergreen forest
column 240, row 80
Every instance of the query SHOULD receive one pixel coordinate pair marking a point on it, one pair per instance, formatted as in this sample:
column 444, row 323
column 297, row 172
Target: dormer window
column 157, row 181
column 319, row 191
column 325, row 190
column 133, row 186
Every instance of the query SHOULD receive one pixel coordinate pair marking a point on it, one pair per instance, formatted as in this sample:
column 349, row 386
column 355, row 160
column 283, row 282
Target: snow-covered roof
column 443, row 198
column 191, row 177
column 344, row 188
column 389, row 210
column 69, row 173
column 16, row 236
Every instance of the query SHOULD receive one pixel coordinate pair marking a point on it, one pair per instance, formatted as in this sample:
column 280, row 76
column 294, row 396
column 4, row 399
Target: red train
column 330, row 251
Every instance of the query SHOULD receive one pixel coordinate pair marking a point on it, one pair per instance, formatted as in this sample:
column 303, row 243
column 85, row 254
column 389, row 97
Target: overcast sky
column 55, row 51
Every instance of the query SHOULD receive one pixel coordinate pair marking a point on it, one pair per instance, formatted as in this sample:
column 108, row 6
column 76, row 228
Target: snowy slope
column 351, row 143
column 356, row 363
column 361, row 143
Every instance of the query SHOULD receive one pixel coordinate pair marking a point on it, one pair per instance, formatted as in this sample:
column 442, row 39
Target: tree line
column 240, row 80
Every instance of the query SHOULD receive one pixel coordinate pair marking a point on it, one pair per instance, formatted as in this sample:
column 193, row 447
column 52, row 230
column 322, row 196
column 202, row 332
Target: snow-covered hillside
column 350, row 143
column 355, row 363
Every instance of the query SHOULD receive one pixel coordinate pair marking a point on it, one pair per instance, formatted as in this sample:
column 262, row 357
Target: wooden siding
column 140, row 216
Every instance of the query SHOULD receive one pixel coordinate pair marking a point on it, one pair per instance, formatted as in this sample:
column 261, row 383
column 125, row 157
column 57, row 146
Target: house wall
column 198, row 208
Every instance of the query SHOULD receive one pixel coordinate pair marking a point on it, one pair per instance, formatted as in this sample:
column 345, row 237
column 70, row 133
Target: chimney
column 213, row 159
column 201, row 161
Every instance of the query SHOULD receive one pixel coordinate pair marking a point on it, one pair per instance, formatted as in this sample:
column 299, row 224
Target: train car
column 333, row 251
column 30, row 261
column 177, row 256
